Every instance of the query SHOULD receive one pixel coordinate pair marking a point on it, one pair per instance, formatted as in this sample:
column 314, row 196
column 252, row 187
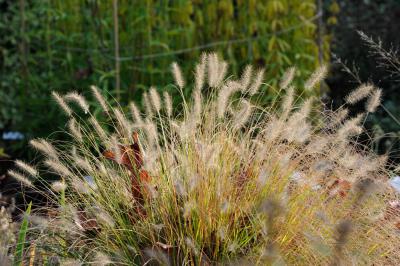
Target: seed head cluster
column 216, row 179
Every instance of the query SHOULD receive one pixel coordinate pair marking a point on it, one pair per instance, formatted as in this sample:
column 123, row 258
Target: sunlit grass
column 223, row 180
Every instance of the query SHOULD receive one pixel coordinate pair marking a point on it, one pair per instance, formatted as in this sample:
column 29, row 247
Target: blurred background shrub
column 62, row 45
column 126, row 46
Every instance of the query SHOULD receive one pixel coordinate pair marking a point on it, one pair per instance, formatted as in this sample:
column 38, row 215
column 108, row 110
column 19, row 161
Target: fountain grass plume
column 226, row 180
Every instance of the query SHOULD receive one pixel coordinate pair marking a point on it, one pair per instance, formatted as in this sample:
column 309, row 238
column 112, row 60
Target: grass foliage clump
column 220, row 179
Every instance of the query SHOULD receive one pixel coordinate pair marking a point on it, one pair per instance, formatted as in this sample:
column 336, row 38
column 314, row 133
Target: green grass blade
column 19, row 251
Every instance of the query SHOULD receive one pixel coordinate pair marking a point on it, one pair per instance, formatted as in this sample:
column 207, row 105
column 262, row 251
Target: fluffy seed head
column 155, row 99
column 223, row 97
column 58, row 168
column 176, row 71
column 147, row 105
column 374, row 101
column 26, row 168
column 78, row 99
column 360, row 93
column 84, row 185
column 20, row 177
column 62, row 103
column 102, row 259
column 105, row 218
column 257, row 82
column 70, row 262
column 243, row 115
column 123, row 123
column 216, row 70
column 151, row 130
column 222, row 69
column 287, row 78
column 287, row 104
column 58, row 186
column 200, row 72
column 212, row 60
column 197, row 104
column 340, row 116
column 116, row 149
column 188, row 208
column 191, row 244
column 38, row 221
column 99, row 98
column 350, row 127
column 168, row 103
column 306, row 108
column 157, row 255
column 246, row 77
column 297, row 128
column 135, row 113
column 75, row 130
column 45, row 147
column 99, row 130
column 316, row 77
column 83, row 163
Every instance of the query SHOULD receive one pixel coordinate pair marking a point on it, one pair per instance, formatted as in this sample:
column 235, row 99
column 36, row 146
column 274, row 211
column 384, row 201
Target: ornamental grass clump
column 219, row 180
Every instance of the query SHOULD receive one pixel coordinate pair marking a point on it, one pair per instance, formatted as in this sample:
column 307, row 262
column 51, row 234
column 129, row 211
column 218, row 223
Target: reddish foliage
column 132, row 159
column 340, row 187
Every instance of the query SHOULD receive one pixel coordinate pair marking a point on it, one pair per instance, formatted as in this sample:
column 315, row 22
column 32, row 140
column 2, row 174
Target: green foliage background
column 63, row 45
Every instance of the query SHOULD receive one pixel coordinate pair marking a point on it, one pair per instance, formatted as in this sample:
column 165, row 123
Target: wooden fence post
column 116, row 50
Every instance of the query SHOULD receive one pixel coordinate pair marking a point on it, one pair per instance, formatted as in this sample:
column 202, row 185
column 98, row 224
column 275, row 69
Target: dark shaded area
column 379, row 20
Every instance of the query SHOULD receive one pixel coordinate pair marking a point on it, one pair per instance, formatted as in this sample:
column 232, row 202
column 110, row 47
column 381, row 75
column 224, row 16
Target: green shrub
column 59, row 45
